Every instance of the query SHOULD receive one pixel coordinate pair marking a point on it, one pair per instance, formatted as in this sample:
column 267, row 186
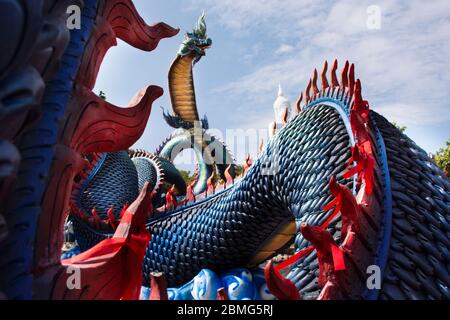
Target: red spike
column 228, row 178
column 356, row 157
column 279, row 286
column 314, row 83
column 307, row 91
column 298, row 107
column 335, row 203
column 357, row 91
column 190, row 193
column 351, row 79
column 344, row 76
column 80, row 213
column 334, row 80
column 111, row 218
column 211, row 185
column 346, row 204
column 248, row 163
column 94, row 214
column 222, row 294
column 333, row 186
column 170, row 199
column 360, row 106
column 323, row 76
column 365, row 164
column 330, row 256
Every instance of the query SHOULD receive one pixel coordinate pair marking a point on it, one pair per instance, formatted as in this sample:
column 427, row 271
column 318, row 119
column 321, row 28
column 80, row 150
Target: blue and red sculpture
column 339, row 181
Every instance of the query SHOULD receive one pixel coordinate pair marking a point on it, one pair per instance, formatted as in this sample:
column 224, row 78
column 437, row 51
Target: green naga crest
column 196, row 41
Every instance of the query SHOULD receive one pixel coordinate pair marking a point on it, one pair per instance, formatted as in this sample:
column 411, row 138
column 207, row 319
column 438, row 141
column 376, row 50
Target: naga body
column 248, row 222
column 391, row 202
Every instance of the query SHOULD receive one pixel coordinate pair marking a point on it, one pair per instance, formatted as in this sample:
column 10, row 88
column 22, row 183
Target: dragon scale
column 249, row 222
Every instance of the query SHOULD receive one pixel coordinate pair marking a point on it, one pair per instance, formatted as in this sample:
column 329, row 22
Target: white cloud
column 411, row 115
column 404, row 66
column 285, row 48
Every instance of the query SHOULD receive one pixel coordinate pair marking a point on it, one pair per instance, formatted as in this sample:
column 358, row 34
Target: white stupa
column 280, row 106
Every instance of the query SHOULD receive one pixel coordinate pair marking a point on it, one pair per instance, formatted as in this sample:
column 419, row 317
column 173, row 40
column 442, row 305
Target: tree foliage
column 238, row 170
column 442, row 158
column 187, row 176
column 399, row 127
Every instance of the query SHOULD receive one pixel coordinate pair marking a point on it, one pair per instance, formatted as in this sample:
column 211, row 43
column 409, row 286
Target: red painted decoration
column 171, row 202
column 112, row 268
column 228, row 178
column 330, row 256
column 190, row 196
column 158, row 285
column 280, row 287
column 248, row 163
column 359, row 115
column 345, row 203
column 210, row 189
column 365, row 164
column 222, row 294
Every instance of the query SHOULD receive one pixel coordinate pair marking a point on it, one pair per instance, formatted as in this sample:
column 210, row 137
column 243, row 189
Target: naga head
column 196, row 42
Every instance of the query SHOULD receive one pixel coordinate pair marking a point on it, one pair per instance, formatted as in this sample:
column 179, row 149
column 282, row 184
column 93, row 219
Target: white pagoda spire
column 280, row 106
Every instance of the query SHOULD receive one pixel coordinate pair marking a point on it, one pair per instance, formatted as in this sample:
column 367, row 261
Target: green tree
column 238, row 170
column 442, row 158
column 399, row 127
column 187, row 176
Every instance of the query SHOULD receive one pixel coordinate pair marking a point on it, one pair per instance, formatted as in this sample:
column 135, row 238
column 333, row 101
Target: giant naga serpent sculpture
column 339, row 181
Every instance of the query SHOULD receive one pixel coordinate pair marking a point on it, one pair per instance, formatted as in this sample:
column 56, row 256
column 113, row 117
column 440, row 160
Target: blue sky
column 404, row 66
